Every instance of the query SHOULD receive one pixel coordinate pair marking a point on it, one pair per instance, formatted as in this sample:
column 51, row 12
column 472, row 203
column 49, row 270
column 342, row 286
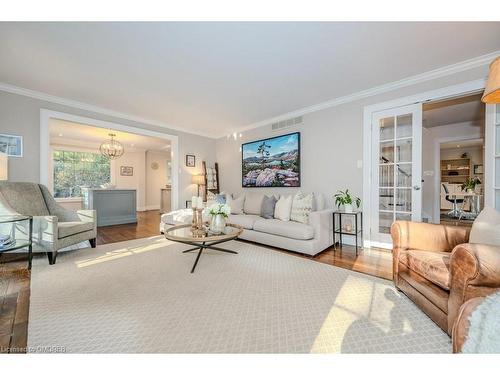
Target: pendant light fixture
column 111, row 149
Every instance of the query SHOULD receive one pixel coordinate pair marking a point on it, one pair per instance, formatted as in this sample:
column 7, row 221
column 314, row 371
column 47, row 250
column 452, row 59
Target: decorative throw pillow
column 253, row 203
column 283, row 208
column 486, row 228
column 268, row 205
column 301, row 207
column 236, row 204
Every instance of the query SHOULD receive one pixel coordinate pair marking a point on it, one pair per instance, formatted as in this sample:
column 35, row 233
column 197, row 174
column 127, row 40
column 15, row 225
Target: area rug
column 140, row 297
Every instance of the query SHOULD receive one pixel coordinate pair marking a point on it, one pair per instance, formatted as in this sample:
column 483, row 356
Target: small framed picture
column 190, row 161
column 188, row 204
column 478, row 169
column 126, row 171
column 12, row 145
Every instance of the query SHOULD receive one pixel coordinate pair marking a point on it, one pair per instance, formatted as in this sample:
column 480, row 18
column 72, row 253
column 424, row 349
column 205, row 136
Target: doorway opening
column 453, row 133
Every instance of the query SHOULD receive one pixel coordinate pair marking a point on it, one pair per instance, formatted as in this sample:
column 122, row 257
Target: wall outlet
column 359, row 164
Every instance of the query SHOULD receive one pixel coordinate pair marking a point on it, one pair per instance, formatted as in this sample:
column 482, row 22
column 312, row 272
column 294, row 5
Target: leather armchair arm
column 461, row 327
column 428, row 237
column 475, row 272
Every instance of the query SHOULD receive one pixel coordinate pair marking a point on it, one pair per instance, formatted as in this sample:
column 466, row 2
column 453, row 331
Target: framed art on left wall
column 12, row 145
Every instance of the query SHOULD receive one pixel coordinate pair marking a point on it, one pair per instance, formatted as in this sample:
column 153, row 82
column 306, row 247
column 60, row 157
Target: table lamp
column 198, row 179
column 4, row 167
column 492, row 91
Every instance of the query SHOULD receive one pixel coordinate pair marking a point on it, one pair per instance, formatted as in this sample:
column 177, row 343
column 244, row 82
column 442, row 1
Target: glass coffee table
column 202, row 240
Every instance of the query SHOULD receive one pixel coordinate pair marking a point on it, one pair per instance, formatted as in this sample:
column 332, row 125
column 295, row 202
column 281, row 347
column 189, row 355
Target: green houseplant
column 344, row 198
column 470, row 184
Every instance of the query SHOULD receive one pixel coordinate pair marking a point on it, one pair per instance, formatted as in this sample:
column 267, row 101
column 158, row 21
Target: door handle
column 416, row 187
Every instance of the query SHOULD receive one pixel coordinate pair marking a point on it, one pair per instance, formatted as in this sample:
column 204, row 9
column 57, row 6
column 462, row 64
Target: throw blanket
column 484, row 330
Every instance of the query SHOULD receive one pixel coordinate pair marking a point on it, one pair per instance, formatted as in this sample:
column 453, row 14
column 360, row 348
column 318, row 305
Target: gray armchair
column 54, row 227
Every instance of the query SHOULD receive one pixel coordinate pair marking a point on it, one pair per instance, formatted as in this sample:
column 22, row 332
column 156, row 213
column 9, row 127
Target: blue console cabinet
column 113, row 206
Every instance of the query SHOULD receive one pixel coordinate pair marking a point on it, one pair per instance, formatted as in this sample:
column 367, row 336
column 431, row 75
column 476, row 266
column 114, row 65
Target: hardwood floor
column 148, row 224
column 15, row 278
column 14, row 302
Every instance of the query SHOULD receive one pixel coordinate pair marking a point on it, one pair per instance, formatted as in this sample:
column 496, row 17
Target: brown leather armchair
column 439, row 271
column 462, row 324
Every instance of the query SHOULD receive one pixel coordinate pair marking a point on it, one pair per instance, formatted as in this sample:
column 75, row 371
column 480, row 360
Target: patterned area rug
column 139, row 296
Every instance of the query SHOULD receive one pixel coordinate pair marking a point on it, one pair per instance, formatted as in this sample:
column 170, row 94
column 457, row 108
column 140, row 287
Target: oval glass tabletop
column 13, row 218
column 185, row 233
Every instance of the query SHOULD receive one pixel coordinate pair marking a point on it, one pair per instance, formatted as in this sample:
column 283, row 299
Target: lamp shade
column 4, row 167
column 492, row 91
column 198, row 179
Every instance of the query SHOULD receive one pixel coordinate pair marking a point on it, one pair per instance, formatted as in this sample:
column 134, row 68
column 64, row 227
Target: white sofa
column 310, row 239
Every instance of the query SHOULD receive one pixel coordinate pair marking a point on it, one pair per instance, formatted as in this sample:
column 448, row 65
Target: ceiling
column 213, row 78
column 473, row 143
column 453, row 111
column 66, row 132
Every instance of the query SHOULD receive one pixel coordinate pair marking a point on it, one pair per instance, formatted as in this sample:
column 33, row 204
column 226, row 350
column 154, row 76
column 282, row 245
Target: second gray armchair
column 54, row 227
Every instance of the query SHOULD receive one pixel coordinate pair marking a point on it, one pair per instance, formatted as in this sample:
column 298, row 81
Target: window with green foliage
column 76, row 170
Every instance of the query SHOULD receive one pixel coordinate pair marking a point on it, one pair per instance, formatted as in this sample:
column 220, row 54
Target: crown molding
column 409, row 81
column 391, row 86
column 92, row 108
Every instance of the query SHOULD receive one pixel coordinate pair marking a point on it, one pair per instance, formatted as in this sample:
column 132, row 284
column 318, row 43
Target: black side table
column 356, row 229
column 19, row 243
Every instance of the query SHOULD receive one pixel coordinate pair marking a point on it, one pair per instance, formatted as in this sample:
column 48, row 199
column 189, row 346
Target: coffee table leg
column 197, row 258
column 221, row 249
column 193, row 249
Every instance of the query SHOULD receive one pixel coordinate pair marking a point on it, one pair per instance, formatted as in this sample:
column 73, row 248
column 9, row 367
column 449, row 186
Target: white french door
column 396, row 183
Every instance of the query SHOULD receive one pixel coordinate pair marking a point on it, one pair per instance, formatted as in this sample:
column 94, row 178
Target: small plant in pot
column 470, row 184
column 218, row 214
column 344, row 198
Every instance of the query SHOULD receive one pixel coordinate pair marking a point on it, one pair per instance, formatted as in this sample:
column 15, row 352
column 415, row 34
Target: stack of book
column 5, row 240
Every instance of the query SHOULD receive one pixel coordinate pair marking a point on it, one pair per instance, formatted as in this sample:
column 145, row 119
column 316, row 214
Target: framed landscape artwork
column 272, row 162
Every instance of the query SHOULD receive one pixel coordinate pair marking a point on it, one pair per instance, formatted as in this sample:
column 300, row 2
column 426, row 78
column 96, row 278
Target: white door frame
column 438, row 94
column 489, row 156
column 436, row 213
column 46, row 115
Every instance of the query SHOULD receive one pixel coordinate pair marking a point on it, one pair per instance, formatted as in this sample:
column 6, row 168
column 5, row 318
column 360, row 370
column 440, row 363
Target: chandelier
column 111, row 149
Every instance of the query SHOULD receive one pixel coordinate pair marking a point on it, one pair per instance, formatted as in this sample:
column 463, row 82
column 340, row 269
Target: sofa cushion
column 69, row 228
column 431, row 265
column 486, row 228
column 246, row 221
column 253, row 203
column 290, row 229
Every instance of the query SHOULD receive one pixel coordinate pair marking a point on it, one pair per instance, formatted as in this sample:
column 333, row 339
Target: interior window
column 76, row 170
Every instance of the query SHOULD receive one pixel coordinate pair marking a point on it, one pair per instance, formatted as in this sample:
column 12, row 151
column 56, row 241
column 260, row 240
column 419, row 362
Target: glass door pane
column 395, row 170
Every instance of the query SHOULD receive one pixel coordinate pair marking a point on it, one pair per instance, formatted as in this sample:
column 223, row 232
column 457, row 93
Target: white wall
column 155, row 179
column 432, row 137
column 332, row 143
column 137, row 160
column 20, row 115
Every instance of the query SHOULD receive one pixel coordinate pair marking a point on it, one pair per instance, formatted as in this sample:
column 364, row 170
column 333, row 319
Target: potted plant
column 344, row 198
column 470, row 184
column 218, row 215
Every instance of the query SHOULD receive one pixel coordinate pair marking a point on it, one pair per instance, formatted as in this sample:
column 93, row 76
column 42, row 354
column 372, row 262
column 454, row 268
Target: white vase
column 217, row 224
column 348, row 208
